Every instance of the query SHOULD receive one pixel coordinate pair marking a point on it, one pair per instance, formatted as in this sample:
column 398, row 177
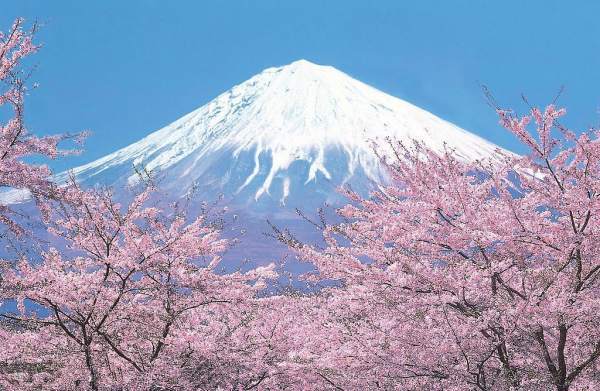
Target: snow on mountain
column 287, row 136
column 250, row 137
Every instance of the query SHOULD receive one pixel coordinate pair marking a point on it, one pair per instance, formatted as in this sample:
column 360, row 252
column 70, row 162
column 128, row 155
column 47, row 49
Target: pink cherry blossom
column 479, row 275
column 16, row 143
column 133, row 300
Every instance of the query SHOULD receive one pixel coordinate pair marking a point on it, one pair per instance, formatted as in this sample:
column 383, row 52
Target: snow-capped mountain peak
column 283, row 129
column 288, row 136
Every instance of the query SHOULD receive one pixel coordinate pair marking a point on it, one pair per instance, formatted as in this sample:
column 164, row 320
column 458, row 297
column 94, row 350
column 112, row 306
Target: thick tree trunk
column 93, row 380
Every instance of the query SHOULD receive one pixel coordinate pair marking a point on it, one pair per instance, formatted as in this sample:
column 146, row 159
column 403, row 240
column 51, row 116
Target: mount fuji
column 286, row 138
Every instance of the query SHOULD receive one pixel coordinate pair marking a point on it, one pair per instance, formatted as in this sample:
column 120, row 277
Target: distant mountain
column 285, row 138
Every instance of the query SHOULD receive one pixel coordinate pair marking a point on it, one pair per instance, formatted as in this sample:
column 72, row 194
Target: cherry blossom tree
column 133, row 300
column 16, row 143
column 461, row 275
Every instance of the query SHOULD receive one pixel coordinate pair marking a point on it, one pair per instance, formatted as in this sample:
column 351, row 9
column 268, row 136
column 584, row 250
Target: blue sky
column 125, row 68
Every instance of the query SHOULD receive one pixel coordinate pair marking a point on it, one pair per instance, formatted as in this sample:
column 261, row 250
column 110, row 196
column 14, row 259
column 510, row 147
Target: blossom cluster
column 456, row 276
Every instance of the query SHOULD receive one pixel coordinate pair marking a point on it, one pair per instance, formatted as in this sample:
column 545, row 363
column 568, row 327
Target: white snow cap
column 298, row 112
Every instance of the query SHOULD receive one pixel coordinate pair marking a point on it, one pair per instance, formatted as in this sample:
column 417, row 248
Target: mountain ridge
column 298, row 112
column 286, row 138
column 288, row 135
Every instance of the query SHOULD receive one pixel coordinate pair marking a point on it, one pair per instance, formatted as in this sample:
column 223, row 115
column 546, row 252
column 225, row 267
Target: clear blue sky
column 125, row 68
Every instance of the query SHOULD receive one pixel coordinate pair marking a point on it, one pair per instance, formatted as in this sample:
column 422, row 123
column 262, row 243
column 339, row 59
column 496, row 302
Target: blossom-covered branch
column 477, row 275
column 17, row 144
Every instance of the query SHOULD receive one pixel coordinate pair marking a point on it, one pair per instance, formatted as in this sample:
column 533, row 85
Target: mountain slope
column 285, row 138
column 253, row 136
